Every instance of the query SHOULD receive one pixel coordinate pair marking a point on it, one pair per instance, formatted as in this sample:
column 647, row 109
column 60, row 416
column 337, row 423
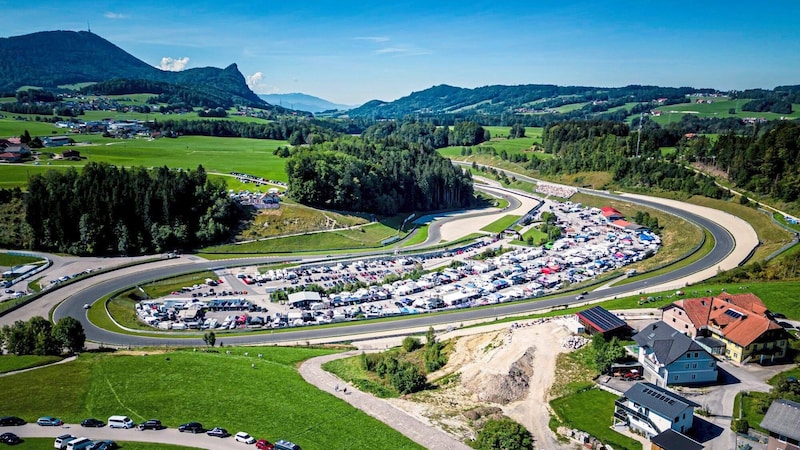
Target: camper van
column 62, row 441
column 120, row 422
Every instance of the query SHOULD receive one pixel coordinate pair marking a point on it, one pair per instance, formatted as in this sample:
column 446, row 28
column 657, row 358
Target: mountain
column 528, row 98
column 52, row 58
column 304, row 102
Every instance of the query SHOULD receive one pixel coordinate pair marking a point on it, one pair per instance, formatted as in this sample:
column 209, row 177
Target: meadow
column 499, row 225
column 216, row 389
column 592, row 411
column 10, row 363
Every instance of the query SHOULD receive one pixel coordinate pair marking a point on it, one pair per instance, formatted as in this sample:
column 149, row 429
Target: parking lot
column 379, row 287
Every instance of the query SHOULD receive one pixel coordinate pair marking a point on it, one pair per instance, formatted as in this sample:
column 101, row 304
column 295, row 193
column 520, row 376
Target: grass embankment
column 10, row 363
column 578, row 405
column 367, row 236
column 351, row 371
column 216, row 389
column 501, row 224
column 293, row 218
column 8, row 260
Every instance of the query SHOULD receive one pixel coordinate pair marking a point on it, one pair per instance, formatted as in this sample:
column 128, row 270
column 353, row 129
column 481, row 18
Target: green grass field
column 592, row 411
column 216, row 389
column 500, row 224
column 10, row 363
column 7, row 260
column 368, row 236
column 719, row 107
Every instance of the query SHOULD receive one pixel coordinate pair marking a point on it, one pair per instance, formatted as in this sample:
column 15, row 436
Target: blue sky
column 354, row 51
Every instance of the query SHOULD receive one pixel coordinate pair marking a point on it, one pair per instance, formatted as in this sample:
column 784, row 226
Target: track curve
column 73, row 306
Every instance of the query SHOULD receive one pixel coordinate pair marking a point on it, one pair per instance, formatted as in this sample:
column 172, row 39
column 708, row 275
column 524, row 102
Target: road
column 73, row 306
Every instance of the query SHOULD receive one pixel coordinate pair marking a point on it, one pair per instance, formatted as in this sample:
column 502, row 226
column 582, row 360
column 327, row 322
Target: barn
column 598, row 320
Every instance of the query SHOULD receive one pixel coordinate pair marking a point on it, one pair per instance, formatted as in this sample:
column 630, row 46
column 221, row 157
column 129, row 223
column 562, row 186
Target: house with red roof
column 611, row 214
column 738, row 326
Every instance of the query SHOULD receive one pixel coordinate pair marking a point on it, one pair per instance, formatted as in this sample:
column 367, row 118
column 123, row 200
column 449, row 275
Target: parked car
column 104, row 445
column 192, row 427
column 244, row 437
column 48, row 421
column 10, row 439
column 11, row 421
column 92, row 423
column 152, row 424
column 218, row 432
column 61, row 441
column 263, row 444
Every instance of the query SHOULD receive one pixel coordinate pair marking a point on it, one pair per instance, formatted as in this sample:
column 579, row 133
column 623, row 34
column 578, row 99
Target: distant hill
column 52, row 58
column 304, row 102
column 520, row 99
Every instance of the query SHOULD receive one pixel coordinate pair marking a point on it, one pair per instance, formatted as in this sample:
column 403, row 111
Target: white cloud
column 257, row 84
column 373, row 38
column 172, row 64
column 404, row 51
column 115, row 16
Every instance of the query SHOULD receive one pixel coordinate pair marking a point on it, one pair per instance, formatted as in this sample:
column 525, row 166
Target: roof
column 608, row 209
column 672, row 440
column 309, row 296
column 783, row 417
column 601, row 320
column 659, row 400
column 621, row 223
column 741, row 318
column 667, row 343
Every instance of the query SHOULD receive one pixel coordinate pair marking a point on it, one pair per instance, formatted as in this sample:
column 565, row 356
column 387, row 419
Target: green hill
column 53, row 58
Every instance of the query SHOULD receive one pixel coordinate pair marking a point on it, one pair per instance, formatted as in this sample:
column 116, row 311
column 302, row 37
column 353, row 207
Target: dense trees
column 38, row 336
column 378, row 177
column 302, row 131
column 108, row 210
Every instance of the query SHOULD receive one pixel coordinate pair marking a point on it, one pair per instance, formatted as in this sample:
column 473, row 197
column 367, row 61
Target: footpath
column 419, row 432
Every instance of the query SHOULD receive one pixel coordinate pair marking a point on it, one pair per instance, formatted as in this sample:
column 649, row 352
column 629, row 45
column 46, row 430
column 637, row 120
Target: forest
column 765, row 161
column 105, row 210
column 376, row 176
column 296, row 131
column 609, row 146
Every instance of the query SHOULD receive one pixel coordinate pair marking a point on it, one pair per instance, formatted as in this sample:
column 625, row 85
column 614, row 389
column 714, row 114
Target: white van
column 79, row 444
column 120, row 422
column 62, row 441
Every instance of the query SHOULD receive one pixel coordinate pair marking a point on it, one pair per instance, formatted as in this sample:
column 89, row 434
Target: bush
column 504, row 434
column 411, row 343
column 740, row 425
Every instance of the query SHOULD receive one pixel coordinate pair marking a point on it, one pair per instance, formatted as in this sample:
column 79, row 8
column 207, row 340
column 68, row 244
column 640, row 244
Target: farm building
column 598, row 320
column 783, row 423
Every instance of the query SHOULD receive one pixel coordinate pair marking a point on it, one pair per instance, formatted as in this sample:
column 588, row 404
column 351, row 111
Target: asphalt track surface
column 73, row 306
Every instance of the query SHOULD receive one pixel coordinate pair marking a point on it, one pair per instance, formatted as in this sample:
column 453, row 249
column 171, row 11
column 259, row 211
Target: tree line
column 106, row 210
column 38, row 336
column 296, row 131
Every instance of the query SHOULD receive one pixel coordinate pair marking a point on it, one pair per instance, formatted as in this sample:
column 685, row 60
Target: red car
column 263, row 444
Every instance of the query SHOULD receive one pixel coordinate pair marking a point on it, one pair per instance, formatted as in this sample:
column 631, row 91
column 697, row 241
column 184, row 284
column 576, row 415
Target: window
column 673, row 319
column 694, row 365
column 687, row 366
column 711, row 364
column 676, row 419
column 675, row 378
column 694, row 376
column 696, row 354
column 688, row 355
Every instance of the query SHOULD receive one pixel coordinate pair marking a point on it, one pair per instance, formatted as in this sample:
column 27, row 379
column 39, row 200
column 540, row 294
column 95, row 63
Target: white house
column 652, row 410
column 670, row 357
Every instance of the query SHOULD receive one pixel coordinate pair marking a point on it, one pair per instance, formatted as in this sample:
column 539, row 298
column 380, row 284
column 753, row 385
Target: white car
column 244, row 437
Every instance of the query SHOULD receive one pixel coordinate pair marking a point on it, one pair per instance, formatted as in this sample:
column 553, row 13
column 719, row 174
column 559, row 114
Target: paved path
column 421, row 433
column 65, row 360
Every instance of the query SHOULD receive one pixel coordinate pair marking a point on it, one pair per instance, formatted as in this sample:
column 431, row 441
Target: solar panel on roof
column 732, row 313
column 602, row 319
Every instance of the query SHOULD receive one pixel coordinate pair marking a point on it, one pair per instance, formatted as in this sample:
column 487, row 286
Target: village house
column 651, row 410
column 738, row 327
column 669, row 357
column 783, row 423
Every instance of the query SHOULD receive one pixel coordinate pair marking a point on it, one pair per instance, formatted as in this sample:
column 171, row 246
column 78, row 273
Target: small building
column 611, row 214
column 783, row 423
column 55, row 141
column 672, row 440
column 71, row 154
column 651, row 410
column 599, row 320
column 304, row 299
column 670, row 357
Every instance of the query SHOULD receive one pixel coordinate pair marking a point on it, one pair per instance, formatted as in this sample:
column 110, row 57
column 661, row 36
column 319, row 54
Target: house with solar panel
column 669, row 357
column 738, row 327
column 651, row 410
column 599, row 320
